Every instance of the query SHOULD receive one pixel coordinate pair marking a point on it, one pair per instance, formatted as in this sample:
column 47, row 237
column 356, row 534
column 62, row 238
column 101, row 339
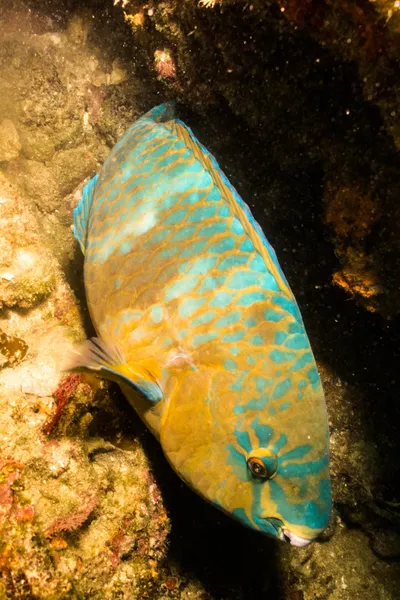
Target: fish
column 196, row 322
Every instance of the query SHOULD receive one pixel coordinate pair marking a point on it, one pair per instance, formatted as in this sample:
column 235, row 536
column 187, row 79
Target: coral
column 62, row 395
column 74, row 520
column 164, row 64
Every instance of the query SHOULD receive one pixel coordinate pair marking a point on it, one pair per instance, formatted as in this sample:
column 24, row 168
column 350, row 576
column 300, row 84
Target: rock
column 26, row 268
column 36, row 181
column 72, row 166
column 386, row 543
column 10, row 145
column 36, row 143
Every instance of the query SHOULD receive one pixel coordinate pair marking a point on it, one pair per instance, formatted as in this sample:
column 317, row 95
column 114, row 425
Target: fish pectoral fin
column 108, row 361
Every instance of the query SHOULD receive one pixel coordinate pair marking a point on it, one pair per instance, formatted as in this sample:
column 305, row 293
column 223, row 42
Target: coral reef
column 79, row 516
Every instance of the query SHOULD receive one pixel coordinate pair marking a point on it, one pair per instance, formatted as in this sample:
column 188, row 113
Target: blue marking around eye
column 272, row 315
column 304, row 469
column 263, row 432
column 238, row 463
column 235, row 336
column 156, row 313
column 250, row 298
column 243, row 440
column 298, row 342
column 230, row 319
column 230, row 365
column 281, row 389
column 279, row 357
column 280, row 337
column 280, row 443
column 301, row 362
column 189, row 305
column 296, row 453
column 310, row 514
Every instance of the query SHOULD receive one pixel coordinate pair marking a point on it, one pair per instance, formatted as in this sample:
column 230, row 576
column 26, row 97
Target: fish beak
column 294, row 539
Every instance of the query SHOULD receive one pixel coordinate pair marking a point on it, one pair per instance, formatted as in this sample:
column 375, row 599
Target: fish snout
column 294, row 539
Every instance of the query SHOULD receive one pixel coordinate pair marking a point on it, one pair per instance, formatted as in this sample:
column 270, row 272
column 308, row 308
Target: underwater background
column 299, row 101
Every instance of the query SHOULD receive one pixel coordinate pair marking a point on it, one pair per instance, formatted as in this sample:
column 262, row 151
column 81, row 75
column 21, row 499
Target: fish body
column 198, row 325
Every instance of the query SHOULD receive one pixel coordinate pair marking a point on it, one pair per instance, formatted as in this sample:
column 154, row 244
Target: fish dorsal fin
column 108, row 361
column 238, row 206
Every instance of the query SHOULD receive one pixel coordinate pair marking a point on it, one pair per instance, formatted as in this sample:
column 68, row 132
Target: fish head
column 263, row 462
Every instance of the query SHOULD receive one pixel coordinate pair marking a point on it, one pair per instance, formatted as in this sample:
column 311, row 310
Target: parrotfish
column 198, row 325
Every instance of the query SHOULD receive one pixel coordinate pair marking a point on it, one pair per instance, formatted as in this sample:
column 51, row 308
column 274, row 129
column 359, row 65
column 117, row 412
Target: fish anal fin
column 107, row 360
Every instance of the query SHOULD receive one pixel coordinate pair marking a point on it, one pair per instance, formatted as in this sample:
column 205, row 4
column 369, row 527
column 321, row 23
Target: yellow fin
column 108, row 361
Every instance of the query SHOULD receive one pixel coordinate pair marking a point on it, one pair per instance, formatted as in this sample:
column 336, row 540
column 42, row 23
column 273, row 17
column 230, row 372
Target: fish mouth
column 295, row 540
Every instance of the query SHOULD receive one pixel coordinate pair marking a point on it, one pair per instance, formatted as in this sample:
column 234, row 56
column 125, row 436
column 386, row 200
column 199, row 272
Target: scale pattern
column 180, row 277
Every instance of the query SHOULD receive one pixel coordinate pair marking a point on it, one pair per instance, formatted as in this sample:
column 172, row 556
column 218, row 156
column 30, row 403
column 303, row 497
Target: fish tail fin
column 108, row 361
column 82, row 211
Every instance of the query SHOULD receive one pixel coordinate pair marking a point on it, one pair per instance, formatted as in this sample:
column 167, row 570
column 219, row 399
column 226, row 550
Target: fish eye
column 259, row 468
